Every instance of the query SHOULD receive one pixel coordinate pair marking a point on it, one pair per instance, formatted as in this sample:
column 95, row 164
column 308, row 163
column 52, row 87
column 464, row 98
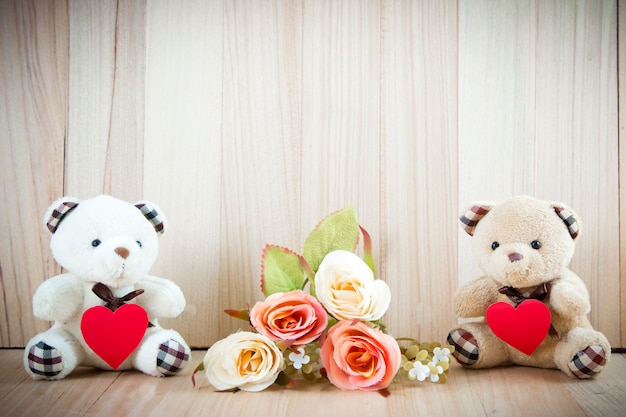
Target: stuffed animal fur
column 524, row 246
column 106, row 247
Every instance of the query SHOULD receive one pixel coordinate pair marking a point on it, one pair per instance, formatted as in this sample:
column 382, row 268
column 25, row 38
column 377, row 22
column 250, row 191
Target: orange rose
column 295, row 316
column 358, row 356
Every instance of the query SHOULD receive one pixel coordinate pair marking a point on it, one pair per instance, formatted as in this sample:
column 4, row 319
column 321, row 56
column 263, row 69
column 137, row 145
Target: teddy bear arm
column 473, row 298
column 569, row 295
column 161, row 297
column 58, row 298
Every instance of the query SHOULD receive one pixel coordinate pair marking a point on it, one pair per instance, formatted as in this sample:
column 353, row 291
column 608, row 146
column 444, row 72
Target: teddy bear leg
column 476, row 346
column 52, row 354
column 583, row 353
column 162, row 353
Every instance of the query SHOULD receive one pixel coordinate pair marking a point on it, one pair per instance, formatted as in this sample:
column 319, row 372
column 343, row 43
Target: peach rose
column 245, row 360
column 295, row 316
column 345, row 285
column 357, row 356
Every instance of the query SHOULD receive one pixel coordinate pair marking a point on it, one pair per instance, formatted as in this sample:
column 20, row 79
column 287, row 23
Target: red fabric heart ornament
column 523, row 327
column 113, row 335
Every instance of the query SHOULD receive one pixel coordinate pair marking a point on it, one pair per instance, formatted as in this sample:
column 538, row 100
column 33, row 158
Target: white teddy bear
column 105, row 307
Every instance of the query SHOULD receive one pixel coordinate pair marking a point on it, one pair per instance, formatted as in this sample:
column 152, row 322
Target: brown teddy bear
column 534, row 308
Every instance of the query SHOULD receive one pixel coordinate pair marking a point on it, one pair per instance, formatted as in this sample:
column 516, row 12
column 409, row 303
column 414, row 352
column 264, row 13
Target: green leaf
column 368, row 257
column 238, row 314
column 281, row 270
column 199, row 368
column 338, row 231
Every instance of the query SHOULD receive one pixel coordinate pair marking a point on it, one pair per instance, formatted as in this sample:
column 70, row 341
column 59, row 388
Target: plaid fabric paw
column 465, row 346
column 588, row 362
column 172, row 357
column 45, row 360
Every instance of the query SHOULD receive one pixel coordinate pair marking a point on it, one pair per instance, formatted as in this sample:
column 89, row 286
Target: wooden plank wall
column 621, row 25
column 247, row 122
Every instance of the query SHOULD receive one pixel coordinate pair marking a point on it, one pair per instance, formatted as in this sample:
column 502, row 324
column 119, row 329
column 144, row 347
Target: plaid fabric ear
column 57, row 213
column 472, row 216
column 569, row 219
column 151, row 213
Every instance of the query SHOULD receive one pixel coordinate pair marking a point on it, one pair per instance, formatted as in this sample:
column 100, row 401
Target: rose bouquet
column 332, row 333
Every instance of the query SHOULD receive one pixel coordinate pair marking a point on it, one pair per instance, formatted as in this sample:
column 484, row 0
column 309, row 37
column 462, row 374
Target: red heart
column 523, row 327
column 114, row 335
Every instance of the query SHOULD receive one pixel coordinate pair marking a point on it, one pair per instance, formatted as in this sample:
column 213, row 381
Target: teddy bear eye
column 495, row 245
column 96, row 242
column 535, row 244
column 139, row 243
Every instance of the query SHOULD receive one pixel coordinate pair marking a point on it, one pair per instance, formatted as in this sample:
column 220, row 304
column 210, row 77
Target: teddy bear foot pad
column 465, row 346
column 45, row 360
column 172, row 357
column 588, row 362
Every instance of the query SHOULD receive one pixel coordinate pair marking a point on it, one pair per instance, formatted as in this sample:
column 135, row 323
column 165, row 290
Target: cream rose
column 346, row 286
column 245, row 360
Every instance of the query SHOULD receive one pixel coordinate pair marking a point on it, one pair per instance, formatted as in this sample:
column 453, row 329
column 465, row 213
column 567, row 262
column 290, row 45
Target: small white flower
column 441, row 355
column 435, row 371
column 419, row 371
column 299, row 358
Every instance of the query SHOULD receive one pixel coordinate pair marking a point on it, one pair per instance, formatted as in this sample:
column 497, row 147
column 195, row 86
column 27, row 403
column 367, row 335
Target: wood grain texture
column 341, row 117
column 621, row 25
column 104, row 147
column 247, row 122
column 499, row 391
column 183, row 144
column 419, row 136
column 341, row 99
column 341, row 111
column 33, row 109
column 261, row 144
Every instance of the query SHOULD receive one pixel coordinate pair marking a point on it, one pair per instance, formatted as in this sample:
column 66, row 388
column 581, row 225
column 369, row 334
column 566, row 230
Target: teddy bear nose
column 514, row 257
column 122, row 252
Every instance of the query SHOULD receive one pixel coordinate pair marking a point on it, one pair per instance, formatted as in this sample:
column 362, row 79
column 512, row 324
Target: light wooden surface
column 510, row 392
column 248, row 121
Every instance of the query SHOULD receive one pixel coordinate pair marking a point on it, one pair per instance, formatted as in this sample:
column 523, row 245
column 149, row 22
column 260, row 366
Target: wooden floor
column 514, row 391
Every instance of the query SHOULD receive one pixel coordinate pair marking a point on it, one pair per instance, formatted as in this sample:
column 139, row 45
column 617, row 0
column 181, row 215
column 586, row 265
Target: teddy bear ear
column 470, row 217
column 569, row 217
column 57, row 211
column 154, row 215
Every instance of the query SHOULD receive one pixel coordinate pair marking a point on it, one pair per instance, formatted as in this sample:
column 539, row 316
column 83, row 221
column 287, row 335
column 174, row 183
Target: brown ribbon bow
column 539, row 293
column 112, row 302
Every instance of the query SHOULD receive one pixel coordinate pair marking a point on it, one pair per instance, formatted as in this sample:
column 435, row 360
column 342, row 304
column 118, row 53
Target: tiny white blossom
column 435, row 371
column 419, row 371
column 441, row 355
column 299, row 358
